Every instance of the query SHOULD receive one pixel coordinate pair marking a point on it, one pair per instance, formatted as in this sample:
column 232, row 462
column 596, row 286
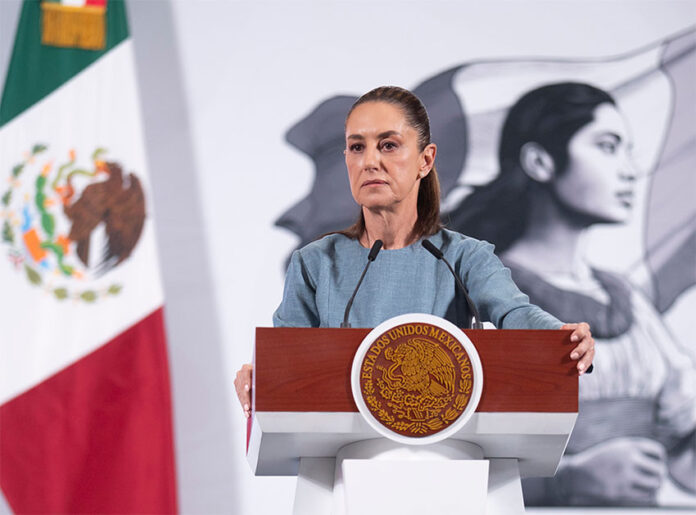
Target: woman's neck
column 393, row 228
column 552, row 242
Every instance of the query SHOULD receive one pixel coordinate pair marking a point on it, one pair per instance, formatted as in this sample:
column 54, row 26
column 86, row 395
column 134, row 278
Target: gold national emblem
column 416, row 379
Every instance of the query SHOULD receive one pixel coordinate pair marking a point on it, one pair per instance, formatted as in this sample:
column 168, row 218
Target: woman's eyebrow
column 617, row 137
column 381, row 135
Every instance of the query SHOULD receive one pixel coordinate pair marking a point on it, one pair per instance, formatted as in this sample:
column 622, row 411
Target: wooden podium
column 303, row 415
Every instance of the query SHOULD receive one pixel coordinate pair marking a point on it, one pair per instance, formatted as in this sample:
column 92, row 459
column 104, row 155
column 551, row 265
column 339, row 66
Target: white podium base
column 380, row 476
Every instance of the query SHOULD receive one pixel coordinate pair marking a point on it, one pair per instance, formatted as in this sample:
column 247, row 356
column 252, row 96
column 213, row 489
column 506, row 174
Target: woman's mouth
column 625, row 197
column 374, row 182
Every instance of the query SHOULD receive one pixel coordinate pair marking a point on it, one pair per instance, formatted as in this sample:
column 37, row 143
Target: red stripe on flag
column 97, row 436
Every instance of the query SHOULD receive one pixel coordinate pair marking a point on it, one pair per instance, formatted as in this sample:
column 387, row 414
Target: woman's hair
column 428, row 222
column 549, row 116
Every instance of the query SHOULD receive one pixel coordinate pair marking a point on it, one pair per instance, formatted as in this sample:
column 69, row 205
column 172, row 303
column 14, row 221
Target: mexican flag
column 85, row 409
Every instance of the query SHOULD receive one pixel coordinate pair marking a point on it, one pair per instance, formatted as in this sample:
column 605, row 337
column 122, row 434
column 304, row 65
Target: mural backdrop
column 534, row 154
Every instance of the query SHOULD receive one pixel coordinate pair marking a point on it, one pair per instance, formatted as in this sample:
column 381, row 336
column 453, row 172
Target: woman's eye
column 356, row 147
column 608, row 147
column 388, row 145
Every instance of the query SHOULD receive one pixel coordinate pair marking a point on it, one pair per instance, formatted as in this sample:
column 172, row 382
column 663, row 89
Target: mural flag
column 670, row 231
column 85, row 408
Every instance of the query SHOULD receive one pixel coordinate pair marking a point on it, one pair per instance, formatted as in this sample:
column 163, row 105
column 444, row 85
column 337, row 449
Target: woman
column 564, row 166
column 390, row 161
column 327, row 206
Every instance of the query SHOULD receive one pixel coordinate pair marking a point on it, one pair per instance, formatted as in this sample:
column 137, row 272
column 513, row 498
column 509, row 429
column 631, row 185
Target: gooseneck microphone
column 476, row 324
column 376, row 247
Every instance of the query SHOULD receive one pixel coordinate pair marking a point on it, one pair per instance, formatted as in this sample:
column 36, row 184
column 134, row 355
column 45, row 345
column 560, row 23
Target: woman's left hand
column 584, row 351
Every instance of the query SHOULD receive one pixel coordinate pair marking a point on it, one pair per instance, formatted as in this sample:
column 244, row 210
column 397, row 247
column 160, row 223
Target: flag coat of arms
column 85, row 410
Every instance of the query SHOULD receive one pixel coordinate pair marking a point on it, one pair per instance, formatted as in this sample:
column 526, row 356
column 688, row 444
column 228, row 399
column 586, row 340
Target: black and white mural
column 532, row 155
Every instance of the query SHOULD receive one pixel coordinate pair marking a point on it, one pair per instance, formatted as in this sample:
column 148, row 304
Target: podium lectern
column 304, row 419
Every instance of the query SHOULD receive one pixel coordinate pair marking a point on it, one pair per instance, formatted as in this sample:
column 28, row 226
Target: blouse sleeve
column 498, row 298
column 298, row 307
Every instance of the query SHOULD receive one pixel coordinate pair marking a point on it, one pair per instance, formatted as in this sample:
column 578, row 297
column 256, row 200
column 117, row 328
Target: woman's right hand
column 622, row 471
column 242, row 383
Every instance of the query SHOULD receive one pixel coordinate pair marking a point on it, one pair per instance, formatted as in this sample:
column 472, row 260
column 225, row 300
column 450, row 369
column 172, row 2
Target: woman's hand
column 584, row 351
column 619, row 471
column 242, row 383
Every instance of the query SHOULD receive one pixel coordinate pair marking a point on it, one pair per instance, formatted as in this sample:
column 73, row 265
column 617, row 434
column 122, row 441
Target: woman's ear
column 427, row 159
column 536, row 162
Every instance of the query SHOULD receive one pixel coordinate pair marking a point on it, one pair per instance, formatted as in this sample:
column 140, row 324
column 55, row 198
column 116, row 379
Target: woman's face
column 599, row 179
column 382, row 157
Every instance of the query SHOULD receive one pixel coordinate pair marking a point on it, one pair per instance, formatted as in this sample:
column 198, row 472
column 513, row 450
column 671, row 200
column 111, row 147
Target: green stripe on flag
column 36, row 70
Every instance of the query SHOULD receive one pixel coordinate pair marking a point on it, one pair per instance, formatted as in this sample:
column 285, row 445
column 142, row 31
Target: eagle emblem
column 68, row 223
column 416, row 379
column 421, row 376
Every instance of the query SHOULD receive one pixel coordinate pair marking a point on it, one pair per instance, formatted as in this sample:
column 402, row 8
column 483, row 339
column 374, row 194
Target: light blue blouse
column 322, row 276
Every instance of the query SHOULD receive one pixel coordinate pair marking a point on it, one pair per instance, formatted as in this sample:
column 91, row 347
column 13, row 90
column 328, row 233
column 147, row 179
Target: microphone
column 376, row 247
column 476, row 324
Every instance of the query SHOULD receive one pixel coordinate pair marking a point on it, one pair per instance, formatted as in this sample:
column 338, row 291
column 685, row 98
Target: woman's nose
column 371, row 158
column 629, row 170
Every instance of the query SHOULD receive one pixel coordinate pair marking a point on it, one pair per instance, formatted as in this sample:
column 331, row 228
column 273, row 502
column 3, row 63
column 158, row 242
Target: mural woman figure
column 565, row 165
